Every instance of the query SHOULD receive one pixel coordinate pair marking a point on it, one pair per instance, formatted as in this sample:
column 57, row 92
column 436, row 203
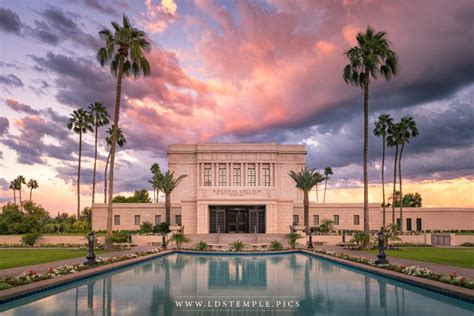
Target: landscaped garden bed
column 453, row 278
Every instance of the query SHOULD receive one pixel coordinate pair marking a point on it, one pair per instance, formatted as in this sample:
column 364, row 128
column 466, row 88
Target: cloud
column 11, row 80
column 100, row 6
column 10, row 21
column 20, row 107
column 4, row 123
column 159, row 16
column 4, row 184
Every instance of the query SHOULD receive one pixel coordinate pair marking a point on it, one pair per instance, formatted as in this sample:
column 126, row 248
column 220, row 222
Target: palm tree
column 371, row 56
column 168, row 183
column 20, row 180
column 108, row 139
column 393, row 140
column 408, row 129
column 305, row 180
column 327, row 172
column 80, row 122
column 125, row 50
column 381, row 130
column 32, row 185
column 101, row 118
column 155, row 181
column 13, row 186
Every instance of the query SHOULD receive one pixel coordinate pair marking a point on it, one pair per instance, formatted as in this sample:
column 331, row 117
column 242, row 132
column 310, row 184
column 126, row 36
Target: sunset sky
column 237, row 71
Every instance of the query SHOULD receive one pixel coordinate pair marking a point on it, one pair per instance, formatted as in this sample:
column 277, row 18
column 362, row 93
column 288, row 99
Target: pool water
column 290, row 284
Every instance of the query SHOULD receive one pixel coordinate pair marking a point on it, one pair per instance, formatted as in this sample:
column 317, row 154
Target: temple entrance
column 237, row 219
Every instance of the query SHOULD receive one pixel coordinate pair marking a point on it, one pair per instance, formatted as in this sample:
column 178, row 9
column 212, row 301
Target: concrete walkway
column 43, row 267
column 435, row 267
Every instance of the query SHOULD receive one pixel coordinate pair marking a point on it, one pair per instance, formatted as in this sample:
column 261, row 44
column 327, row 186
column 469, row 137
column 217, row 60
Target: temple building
column 245, row 188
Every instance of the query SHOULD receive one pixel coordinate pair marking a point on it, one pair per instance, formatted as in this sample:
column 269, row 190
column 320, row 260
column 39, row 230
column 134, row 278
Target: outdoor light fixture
column 382, row 257
column 309, row 232
column 91, row 254
column 163, row 241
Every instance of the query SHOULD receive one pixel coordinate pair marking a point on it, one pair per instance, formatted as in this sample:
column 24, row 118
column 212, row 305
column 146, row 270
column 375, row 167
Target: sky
column 232, row 72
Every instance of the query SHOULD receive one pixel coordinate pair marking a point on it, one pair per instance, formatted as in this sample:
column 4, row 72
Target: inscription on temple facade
column 237, row 192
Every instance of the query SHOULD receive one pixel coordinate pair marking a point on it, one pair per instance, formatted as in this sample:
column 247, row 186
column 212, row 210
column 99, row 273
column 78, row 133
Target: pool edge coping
column 449, row 290
column 18, row 292
column 452, row 291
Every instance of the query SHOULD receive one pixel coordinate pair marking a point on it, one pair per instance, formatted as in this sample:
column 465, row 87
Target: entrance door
column 237, row 220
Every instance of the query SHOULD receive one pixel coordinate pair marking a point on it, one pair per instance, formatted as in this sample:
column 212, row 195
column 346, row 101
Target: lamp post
column 163, row 241
column 309, row 233
column 382, row 257
column 91, row 254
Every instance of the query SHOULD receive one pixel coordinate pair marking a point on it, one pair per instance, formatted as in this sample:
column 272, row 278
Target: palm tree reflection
column 317, row 303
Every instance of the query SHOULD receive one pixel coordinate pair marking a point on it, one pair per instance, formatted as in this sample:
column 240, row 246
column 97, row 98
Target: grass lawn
column 461, row 257
column 11, row 258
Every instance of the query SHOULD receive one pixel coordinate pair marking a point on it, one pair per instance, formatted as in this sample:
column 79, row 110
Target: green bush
column 237, row 245
column 30, row 239
column 146, row 228
column 80, row 226
column 276, row 245
column 201, row 246
column 120, row 236
column 161, row 228
column 179, row 239
column 292, row 238
column 467, row 244
column 4, row 286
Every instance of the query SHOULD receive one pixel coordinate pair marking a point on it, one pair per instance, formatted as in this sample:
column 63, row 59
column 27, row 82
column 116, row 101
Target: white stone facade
column 243, row 187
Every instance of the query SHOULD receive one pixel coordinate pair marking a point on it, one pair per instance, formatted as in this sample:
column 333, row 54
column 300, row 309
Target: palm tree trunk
column 154, row 195
column 168, row 209
column 108, row 240
column 306, row 208
column 31, row 192
column 394, row 185
column 366, row 146
column 401, row 192
column 21, row 206
column 325, row 186
column 317, row 198
column 95, row 160
column 105, row 177
column 383, row 180
column 14, row 196
column 79, row 177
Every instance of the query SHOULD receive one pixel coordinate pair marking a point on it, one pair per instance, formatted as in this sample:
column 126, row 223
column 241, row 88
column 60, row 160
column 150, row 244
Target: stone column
column 257, row 174
column 231, row 174
column 244, row 173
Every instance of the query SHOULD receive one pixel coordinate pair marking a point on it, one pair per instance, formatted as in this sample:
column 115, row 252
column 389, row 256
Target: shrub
column 146, row 227
column 467, row 244
column 120, row 236
column 5, row 286
column 202, row 246
column 359, row 239
column 161, row 228
column 237, row 245
column 80, row 226
column 327, row 226
column 276, row 245
column 30, row 239
column 292, row 238
column 179, row 238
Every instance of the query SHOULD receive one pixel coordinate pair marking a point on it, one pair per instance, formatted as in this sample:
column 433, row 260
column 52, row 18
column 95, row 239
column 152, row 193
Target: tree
column 305, row 180
column 408, row 130
column 327, row 172
column 381, row 130
column 80, row 122
column 32, row 185
column 20, row 180
column 139, row 196
column 168, row 184
column 327, row 226
column 86, row 216
column 371, row 56
column 146, row 227
column 412, row 200
column 13, row 186
column 155, row 181
column 108, row 139
column 393, row 140
column 125, row 50
column 179, row 239
column 101, row 118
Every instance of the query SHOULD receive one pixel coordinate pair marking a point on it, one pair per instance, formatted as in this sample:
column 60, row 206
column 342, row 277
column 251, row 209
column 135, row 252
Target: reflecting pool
column 291, row 284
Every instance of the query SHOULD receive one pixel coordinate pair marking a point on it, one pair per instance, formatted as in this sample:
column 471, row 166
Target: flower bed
column 116, row 247
column 417, row 271
column 30, row 276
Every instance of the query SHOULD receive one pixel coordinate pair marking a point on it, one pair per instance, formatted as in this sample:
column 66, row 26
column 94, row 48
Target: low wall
column 56, row 239
column 458, row 240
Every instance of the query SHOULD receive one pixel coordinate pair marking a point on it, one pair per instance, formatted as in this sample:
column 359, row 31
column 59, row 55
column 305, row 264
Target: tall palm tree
column 101, row 118
column 32, row 185
column 13, row 186
column 327, row 172
column 393, row 140
column 125, row 50
column 371, row 56
column 408, row 129
column 108, row 139
column 80, row 122
column 168, row 184
column 381, row 130
column 20, row 180
column 155, row 180
column 305, row 180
